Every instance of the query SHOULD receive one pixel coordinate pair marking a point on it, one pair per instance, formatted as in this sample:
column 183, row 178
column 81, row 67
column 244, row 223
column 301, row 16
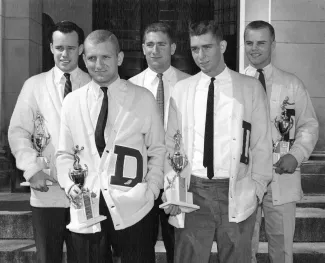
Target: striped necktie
column 68, row 85
column 160, row 95
column 208, row 134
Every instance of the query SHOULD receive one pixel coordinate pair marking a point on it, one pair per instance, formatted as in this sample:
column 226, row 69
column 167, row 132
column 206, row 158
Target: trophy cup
column 84, row 214
column 283, row 124
column 176, row 189
column 40, row 139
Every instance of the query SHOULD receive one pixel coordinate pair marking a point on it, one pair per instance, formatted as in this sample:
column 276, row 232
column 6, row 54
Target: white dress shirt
column 60, row 79
column 116, row 97
column 223, row 96
column 251, row 71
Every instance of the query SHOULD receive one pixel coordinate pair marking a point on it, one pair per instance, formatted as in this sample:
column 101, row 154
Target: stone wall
column 21, row 46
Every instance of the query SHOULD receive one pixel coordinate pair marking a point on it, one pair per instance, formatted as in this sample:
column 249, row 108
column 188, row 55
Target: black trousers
column 135, row 243
column 167, row 230
column 49, row 226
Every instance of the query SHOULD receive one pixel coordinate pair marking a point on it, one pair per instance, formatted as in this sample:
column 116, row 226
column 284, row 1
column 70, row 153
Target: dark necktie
column 67, row 86
column 208, row 135
column 261, row 78
column 160, row 95
column 101, row 123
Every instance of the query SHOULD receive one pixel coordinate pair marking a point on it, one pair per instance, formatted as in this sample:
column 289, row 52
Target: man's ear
column 143, row 49
column 120, row 57
column 273, row 45
column 172, row 48
column 51, row 47
column 223, row 46
column 81, row 48
column 85, row 59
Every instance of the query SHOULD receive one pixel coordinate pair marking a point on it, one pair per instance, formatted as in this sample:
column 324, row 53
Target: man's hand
column 74, row 192
column 38, row 181
column 173, row 210
column 286, row 164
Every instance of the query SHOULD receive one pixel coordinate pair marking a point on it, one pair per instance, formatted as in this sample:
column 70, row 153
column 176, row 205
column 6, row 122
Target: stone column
column 20, row 57
column 22, row 52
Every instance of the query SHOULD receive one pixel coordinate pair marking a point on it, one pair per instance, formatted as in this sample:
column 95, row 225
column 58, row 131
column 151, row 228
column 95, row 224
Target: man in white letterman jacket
column 125, row 171
column 235, row 179
column 279, row 204
column 43, row 95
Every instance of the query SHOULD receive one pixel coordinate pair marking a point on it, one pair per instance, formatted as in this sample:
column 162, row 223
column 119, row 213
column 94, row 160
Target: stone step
column 313, row 184
column 310, row 222
column 23, row 251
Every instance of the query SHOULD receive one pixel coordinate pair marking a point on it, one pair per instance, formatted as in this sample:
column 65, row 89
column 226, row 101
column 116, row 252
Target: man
column 119, row 126
column 279, row 204
column 222, row 117
column 42, row 96
column 160, row 78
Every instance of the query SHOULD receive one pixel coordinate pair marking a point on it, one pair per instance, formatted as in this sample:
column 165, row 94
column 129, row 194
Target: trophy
column 84, row 214
column 283, row 124
column 176, row 189
column 40, row 139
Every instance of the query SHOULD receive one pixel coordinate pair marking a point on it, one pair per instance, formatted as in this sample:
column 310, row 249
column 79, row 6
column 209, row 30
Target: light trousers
column 279, row 226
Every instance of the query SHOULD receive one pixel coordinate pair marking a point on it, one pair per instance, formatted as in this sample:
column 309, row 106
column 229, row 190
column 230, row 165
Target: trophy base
column 48, row 183
column 185, row 207
column 282, row 148
column 76, row 227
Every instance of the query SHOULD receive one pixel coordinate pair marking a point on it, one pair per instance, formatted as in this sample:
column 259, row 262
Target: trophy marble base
column 86, row 215
column 177, row 195
column 185, row 207
column 76, row 227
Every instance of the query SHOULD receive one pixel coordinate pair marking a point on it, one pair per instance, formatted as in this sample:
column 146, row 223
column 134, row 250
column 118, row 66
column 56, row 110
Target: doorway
column 127, row 19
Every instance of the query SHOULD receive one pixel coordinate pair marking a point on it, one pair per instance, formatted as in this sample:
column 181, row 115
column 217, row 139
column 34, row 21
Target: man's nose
column 254, row 47
column 64, row 53
column 99, row 63
column 201, row 53
column 155, row 49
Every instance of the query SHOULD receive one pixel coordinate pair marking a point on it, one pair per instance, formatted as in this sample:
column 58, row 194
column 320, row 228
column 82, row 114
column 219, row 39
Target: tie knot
column 104, row 89
column 159, row 75
column 67, row 76
column 213, row 79
column 260, row 70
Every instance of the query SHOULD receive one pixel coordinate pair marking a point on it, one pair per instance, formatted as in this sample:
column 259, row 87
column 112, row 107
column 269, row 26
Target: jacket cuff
column 33, row 170
column 295, row 152
column 155, row 189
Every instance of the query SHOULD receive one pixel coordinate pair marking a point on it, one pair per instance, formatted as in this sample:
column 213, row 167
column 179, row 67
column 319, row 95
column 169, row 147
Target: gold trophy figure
column 84, row 213
column 40, row 139
column 283, row 124
column 176, row 189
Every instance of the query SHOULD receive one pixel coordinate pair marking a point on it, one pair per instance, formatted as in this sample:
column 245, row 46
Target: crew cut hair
column 204, row 27
column 260, row 24
column 102, row 35
column 159, row 27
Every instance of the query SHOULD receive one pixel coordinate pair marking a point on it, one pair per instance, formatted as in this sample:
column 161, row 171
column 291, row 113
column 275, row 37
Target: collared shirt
column 251, row 71
column 151, row 83
column 60, row 79
column 223, row 96
column 116, row 97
